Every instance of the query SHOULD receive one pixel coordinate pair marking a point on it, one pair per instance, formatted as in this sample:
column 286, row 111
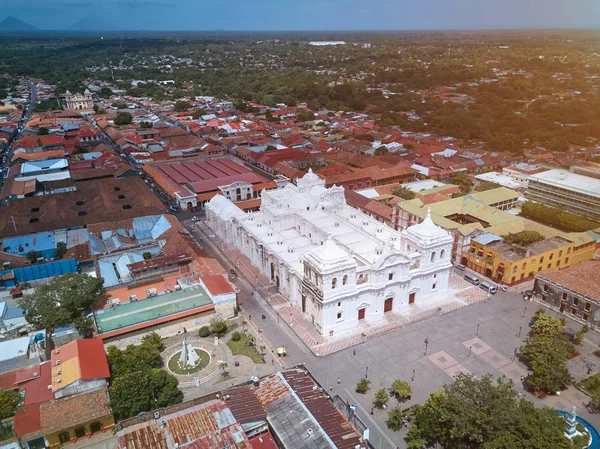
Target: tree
column 147, row 255
column 141, row 357
column 43, row 131
column 524, row 238
column 401, row 389
column 61, row 301
column 8, row 403
column 154, row 340
column 80, row 149
column 403, row 192
column 204, row 331
column 381, row 151
column 219, row 326
column 33, row 256
column 546, row 351
column 462, row 180
column 362, row 386
column 551, row 216
column 580, row 334
column 61, row 250
column 395, row 419
column 223, row 367
column 181, row 106
column 482, row 414
column 123, row 118
column 381, row 398
column 146, row 125
column 85, row 326
column 105, row 92
column 486, row 186
column 141, row 391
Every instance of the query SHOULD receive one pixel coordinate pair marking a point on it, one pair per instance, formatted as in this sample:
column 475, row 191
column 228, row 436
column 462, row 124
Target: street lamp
column 426, row 343
column 367, row 373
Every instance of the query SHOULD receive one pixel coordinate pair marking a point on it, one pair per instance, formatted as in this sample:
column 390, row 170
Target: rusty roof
column 271, row 389
column 156, row 262
column 244, row 404
column 204, row 426
column 333, row 422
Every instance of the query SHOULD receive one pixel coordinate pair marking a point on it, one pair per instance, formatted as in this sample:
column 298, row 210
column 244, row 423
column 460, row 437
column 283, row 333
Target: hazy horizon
column 308, row 15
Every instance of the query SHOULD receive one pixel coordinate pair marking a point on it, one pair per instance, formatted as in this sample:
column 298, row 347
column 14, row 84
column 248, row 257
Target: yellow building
column 75, row 417
column 511, row 264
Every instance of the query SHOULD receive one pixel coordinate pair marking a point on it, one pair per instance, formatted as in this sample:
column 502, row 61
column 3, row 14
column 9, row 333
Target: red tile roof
column 217, row 285
column 70, row 411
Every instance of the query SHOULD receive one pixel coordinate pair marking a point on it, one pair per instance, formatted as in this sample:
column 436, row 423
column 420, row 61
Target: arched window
column 408, row 248
column 345, row 279
column 442, row 253
column 514, row 269
column 433, row 256
column 333, row 282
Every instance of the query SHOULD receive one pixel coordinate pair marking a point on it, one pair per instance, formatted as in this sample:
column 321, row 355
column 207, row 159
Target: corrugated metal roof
column 335, row 424
column 294, row 427
column 161, row 226
column 244, row 404
column 206, row 426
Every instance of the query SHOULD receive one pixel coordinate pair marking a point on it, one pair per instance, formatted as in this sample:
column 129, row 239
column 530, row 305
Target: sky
column 257, row 15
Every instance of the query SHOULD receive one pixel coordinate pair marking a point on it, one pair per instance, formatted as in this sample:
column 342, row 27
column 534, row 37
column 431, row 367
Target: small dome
column 427, row 231
column 330, row 257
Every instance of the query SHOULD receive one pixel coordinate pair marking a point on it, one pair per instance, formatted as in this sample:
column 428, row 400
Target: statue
column 189, row 357
column 571, row 418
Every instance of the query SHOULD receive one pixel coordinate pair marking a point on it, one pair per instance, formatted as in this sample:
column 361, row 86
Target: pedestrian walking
column 354, row 352
column 339, row 381
column 371, row 410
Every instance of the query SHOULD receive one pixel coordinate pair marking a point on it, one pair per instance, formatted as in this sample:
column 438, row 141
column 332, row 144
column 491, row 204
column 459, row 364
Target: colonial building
column 337, row 265
column 78, row 101
column 572, row 291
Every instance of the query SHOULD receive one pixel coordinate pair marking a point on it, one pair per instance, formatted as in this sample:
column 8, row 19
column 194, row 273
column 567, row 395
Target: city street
column 481, row 338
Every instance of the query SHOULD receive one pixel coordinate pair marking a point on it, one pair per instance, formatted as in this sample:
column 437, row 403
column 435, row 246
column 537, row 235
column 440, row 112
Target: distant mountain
column 12, row 24
column 91, row 23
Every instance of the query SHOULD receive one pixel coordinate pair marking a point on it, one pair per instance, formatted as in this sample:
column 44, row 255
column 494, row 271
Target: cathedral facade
column 337, row 265
column 79, row 102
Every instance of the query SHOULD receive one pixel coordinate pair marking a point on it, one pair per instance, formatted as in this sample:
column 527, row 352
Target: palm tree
column 223, row 367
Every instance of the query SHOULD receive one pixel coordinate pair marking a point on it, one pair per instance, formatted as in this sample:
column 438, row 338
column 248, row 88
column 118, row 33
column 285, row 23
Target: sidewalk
column 462, row 294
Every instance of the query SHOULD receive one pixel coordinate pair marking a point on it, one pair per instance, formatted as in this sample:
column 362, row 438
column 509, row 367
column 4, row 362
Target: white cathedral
column 79, row 102
column 337, row 265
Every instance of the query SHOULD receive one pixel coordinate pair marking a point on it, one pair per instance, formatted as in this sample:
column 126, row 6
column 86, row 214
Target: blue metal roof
column 486, row 238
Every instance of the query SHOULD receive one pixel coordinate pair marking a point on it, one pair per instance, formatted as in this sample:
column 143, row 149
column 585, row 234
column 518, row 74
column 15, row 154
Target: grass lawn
column 241, row 347
column 202, row 363
column 591, row 385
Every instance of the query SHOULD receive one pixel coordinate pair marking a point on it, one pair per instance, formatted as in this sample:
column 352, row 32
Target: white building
column 79, row 101
column 337, row 265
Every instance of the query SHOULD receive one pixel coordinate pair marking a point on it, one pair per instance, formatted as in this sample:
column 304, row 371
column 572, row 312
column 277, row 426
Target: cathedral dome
column 330, row 256
column 427, row 232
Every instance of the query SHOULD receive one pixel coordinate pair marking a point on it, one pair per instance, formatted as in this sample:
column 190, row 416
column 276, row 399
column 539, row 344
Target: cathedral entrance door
column 277, row 281
column 303, row 303
column 361, row 314
column 411, row 298
column 387, row 305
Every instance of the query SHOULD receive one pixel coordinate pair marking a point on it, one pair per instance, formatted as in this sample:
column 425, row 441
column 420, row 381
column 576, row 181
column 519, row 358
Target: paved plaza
column 478, row 339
